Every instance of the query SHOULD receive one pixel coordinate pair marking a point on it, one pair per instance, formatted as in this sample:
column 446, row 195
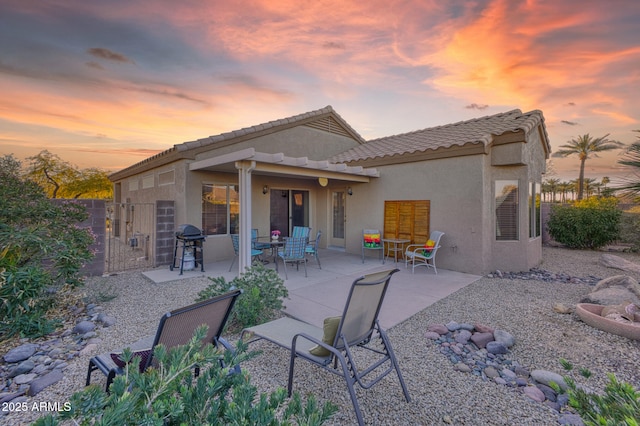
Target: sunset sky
column 109, row 83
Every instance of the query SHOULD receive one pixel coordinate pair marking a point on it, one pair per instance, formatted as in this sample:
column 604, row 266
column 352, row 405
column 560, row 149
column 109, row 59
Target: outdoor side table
column 395, row 246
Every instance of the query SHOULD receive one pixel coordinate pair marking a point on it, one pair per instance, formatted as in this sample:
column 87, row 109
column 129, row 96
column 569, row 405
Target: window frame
column 535, row 214
column 231, row 209
column 507, row 211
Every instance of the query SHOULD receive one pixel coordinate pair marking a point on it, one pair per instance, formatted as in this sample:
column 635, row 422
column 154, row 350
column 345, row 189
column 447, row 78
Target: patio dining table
column 274, row 244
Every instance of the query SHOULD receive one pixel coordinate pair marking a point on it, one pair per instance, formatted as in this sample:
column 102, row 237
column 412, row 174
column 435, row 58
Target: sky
column 109, row 83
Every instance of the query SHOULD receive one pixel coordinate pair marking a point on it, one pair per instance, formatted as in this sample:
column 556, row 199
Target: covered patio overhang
column 248, row 162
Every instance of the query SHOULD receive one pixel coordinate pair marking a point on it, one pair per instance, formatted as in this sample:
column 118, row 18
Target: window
column 534, row 210
column 166, row 178
column 220, row 209
column 507, row 210
column 148, row 181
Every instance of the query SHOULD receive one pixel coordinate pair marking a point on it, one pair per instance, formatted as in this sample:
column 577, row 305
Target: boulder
column 617, row 262
column 42, row 382
column 614, row 290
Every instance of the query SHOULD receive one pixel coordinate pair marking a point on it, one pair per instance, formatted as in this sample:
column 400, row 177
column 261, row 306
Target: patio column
column 244, row 179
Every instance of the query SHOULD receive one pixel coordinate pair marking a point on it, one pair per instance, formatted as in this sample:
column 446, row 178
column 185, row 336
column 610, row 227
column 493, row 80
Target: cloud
column 107, row 54
column 479, row 107
column 569, row 123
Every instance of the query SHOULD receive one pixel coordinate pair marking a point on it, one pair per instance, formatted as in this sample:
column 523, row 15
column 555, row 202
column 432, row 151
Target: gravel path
column 440, row 395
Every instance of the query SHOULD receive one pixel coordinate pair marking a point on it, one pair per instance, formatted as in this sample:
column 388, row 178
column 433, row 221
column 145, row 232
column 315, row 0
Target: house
column 477, row 180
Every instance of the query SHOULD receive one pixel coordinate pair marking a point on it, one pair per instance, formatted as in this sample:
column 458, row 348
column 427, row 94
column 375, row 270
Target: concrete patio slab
column 324, row 291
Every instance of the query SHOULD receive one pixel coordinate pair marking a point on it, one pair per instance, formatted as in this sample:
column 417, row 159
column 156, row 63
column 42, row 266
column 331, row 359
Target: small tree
column 41, row 250
column 590, row 223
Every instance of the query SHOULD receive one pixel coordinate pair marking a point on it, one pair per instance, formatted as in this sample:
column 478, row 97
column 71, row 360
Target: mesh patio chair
column 332, row 347
column 423, row 254
column 301, row 232
column 371, row 240
column 312, row 248
column 256, row 243
column 293, row 252
column 175, row 328
column 255, row 253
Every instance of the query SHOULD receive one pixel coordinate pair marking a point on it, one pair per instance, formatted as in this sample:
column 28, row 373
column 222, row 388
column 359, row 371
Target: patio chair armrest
column 315, row 340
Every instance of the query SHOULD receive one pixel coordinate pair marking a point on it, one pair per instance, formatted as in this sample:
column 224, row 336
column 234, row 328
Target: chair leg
column 232, row 262
column 284, row 262
column 305, row 267
column 318, row 260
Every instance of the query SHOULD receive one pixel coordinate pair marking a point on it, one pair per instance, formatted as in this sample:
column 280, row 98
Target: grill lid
column 188, row 231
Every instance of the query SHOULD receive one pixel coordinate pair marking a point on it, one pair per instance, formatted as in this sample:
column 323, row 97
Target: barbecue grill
column 190, row 238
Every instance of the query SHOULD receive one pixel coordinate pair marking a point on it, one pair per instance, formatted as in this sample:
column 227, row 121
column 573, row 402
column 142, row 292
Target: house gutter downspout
column 244, row 179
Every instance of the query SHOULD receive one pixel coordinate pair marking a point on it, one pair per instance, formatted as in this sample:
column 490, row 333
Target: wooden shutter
column 407, row 219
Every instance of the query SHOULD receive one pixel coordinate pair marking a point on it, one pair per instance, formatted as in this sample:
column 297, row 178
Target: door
column 288, row 208
column 338, row 219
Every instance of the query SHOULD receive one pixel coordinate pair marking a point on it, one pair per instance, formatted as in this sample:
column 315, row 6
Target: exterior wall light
column 265, row 189
column 349, row 191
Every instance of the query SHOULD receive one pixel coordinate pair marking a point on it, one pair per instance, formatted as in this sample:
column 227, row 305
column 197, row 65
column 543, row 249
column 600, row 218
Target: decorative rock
column 549, row 393
column 496, row 348
column 463, row 336
column 521, row 372
column 429, row 335
column 617, row 262
column 24, row 378
column 462, row 367
column 452, row 326
column 42, row 382
column 491, row 372
column 20, row 353
column 90, row 348
column 571, row 420
column 481, row 328
column 561, row 308
column 22, row 368
column 481, row 338
column 614, row 290
column 546, row 377
column 507, row 374
column 438, row 328
column 83, row 327
column 108, row 321
column 504, row 337
column 534, row 393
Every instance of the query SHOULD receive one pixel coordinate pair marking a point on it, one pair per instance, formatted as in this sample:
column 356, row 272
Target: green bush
column 263, row 291
column 169, row 394
column 620, row 404
column 590, row 223
column 41, row 250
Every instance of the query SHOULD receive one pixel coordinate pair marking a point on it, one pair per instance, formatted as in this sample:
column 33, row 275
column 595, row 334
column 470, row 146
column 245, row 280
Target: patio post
column 244, row 179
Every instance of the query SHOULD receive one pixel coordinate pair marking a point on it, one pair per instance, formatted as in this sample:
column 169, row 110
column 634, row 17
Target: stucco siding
column 454, row 187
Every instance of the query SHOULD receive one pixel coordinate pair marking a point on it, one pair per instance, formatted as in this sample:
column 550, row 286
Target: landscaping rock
column 504, row 337
column 40, row 383
column 617, row 262
column 84, row 327
column 20, row 353
column 546, row 377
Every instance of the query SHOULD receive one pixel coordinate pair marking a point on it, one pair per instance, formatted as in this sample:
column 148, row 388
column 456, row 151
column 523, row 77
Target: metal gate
column 129, row 239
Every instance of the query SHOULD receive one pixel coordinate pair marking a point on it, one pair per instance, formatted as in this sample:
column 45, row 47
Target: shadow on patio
column 324, row 292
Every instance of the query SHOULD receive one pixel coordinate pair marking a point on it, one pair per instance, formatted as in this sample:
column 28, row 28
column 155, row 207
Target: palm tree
column 584, row 146
column 631, row 158
column 552, row 186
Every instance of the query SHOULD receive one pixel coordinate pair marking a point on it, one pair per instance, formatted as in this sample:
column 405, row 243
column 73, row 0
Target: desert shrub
column 620, row 404
column 41, row 250
column 590, row 223
column 169, row 394
column 630, row 229
column 263, row 291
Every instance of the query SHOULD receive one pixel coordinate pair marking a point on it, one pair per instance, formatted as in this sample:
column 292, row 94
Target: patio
column 324, row 292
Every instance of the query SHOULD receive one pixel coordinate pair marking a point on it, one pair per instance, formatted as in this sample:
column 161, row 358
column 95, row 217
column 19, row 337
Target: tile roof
column 183, row 150
column 283, row 122
column 476, row 131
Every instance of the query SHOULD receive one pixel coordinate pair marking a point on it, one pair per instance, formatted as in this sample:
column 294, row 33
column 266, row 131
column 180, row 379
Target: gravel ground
column 439, row 394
